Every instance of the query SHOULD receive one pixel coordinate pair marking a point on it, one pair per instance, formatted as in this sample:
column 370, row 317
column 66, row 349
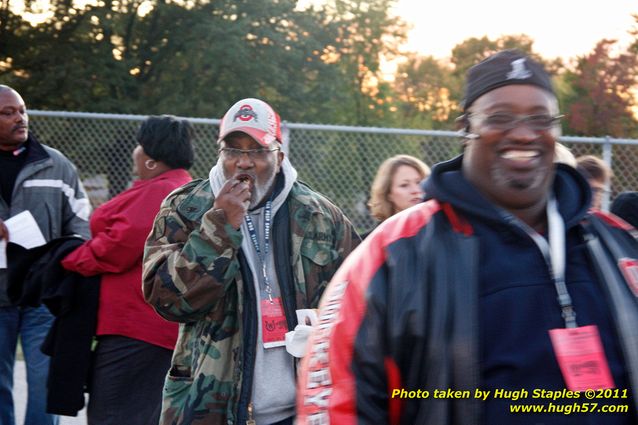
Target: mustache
column 19, row 127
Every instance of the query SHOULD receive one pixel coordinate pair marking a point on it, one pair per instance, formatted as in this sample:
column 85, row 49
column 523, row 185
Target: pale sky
column 559, row 28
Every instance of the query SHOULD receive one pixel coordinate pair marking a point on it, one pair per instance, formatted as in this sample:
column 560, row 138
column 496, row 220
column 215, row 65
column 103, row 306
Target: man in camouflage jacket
column 230, row 253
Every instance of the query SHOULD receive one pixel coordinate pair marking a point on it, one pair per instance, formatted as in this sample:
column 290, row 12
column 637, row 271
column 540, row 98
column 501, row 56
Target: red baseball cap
column 254, row 117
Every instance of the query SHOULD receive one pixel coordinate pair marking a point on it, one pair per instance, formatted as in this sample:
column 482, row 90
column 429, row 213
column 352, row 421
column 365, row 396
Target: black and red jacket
column 450, row 294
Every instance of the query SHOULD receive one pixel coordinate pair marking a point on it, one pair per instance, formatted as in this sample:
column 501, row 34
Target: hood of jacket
column 447, row 184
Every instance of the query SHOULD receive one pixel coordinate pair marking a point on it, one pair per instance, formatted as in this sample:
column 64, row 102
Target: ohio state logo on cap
column 245, row 113
column 253, row 117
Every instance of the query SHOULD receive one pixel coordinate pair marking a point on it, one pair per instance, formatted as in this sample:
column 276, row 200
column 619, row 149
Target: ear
column 280, row 159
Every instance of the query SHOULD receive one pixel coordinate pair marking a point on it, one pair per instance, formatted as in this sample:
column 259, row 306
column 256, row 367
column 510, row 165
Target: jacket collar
column 175, row 173
column 35, row 151
column 447, row 184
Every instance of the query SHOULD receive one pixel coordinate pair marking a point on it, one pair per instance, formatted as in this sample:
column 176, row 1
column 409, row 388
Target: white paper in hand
column 24, row 231
column 297, row 340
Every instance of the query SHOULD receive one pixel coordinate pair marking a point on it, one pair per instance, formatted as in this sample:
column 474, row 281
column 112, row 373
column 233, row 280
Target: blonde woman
column 397, row 186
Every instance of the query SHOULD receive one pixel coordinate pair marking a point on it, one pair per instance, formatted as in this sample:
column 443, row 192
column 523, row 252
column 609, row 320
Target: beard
column 536, row 180
column 262, row 187
column 262, row 182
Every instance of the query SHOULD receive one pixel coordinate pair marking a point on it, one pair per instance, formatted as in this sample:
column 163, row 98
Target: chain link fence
column 337, row 161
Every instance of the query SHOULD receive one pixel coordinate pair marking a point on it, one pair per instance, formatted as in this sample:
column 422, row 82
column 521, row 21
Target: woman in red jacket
column 134, row 343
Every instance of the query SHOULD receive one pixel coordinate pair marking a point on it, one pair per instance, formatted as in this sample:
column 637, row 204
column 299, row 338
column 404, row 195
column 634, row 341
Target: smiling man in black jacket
column 500, row 292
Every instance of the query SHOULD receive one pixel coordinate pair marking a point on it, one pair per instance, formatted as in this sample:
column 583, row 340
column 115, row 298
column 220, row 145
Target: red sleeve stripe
column 395, row 405
column 459, row 223
column 612, row 220
column 326, row 390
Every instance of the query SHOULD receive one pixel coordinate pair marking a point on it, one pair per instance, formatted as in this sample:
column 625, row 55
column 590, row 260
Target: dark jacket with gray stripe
column 48, row 186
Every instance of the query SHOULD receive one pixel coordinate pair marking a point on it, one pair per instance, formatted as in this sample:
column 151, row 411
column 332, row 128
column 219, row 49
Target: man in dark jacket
column 500, row 295
column 41, row 180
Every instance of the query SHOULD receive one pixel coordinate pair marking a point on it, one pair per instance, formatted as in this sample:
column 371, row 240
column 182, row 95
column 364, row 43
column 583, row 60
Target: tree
column 69, row 61
column 366, row 34
column 634, row 32
column 602, row 98
column 159, row 56
column 422, row 86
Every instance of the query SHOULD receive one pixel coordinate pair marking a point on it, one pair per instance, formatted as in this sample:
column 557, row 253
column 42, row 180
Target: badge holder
column 578, row 350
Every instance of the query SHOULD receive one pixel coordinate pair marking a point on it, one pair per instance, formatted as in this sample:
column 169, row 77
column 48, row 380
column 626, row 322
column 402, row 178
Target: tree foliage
column 423, row 89
column 366, row 35
column 191, row 58
column 602, row 98
column 430, row 91
column 320, row 64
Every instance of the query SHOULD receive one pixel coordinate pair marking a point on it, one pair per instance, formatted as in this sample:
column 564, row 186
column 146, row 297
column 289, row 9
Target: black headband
column 503, row 69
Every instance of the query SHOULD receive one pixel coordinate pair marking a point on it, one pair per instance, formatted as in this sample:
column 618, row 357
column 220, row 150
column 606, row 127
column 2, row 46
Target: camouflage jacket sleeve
column 345, row 241
column 190, row 257
column 324, row 238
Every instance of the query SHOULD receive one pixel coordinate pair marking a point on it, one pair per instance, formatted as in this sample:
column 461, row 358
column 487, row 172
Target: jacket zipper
column 250, row 420
column 246, row 394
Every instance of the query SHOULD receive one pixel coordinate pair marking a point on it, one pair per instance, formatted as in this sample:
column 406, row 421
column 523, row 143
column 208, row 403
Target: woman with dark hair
column 134, row 345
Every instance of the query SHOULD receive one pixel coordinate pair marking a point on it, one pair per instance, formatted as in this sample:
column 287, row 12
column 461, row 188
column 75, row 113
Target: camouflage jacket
column 194, row 273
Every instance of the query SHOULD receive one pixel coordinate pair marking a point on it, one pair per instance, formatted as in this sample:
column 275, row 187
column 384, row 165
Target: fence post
column 607, row 157
column 285, row 135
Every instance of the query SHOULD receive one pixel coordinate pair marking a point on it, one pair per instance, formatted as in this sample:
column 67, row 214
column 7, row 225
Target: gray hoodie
column 273, row 392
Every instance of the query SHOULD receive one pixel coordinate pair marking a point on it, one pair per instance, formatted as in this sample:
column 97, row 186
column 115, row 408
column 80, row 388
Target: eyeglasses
column 253, row 154
column 506, row 122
